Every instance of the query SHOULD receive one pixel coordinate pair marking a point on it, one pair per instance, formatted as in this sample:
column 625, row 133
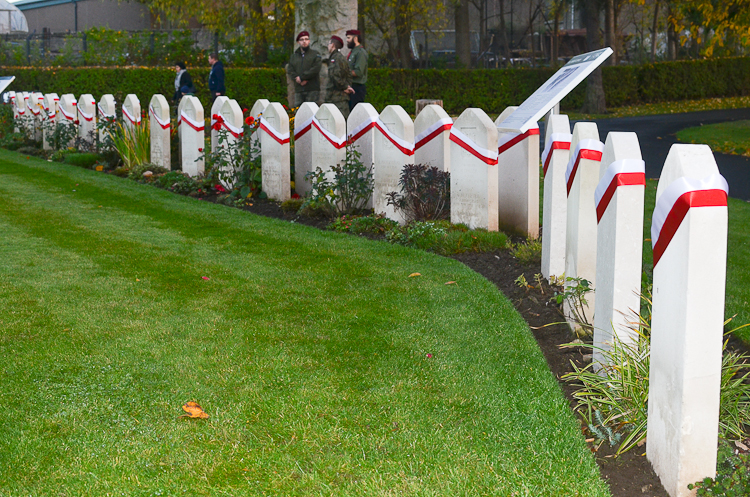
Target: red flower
column 296, row 195
column 200, row 150
column 244, row 111
column 249, row 120
column 219, row 188
column 216, row 126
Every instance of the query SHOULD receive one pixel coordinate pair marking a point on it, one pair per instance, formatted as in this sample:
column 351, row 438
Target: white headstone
column 619, row 211
column 87, row 118
column 554, row 212
column 216, row 110
column 689, row 237
column 27, row 117
column 50, row 119
column 256, row 111
column 432, row 130
column 581, row 178
column 36, row 107
column 230, row 115
column 131, row 111
column 192, row 139
column 161, row 129
column 474, row 176
column 303, row 145
column 106, row 110
column 394, row 148
column 328, row 138
column 274, row 144
column 518, row 178
column 360, row 132
column 68, row 113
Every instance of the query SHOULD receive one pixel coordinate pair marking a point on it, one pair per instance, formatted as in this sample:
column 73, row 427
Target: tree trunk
column 595, row 102
column 610, row 32
column 654, row 33
column 403, row 33
column 260, row 47
column 531, row 34
column 463, row 36
column 504, row 34
column 556, row 37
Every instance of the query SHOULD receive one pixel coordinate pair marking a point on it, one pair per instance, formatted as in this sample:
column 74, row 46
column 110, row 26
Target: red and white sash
column 233, row 130
column 184, row 118
column 487, row 156
column 280, row 138
column 557, row 141
column 104, row 114
column 300, row 130
column 507, row 140
column 620, row 173
column 334, row 140
column 164, row 124
column 426, row 136
column 585, row 149
column 363, row 128
column 87, row 117
column 69, row 117
column 135, row 120
column 678, row 198
column 404, row 146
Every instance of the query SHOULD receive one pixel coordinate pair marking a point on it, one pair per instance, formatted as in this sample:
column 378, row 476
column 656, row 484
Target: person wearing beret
column 339, row 77
column 358, row 66
column 304, row 69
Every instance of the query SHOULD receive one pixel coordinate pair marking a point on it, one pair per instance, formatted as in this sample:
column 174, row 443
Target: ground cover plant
column 323, row 367
column 727, row 138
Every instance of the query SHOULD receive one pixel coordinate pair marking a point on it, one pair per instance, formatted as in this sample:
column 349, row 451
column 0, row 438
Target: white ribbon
column 587, row 144
column 235, row 130
column 280, row 137
column 445, row 121
column 163, row 123
column 677, row 189
column 299, row 127
column 70, row 117
column 339, row 142
column 491, row 155
column 370, row 121
column 407, row 147
column 130, row 117
column 88, row 117
column 195, row 124
column 617, row 167
column 104, row 114
column 555, row 137
column 506, row 138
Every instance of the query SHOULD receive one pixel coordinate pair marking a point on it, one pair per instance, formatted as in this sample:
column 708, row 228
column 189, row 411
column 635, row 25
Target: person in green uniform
column 358, row 66
column 339, row 77
column 304, row 69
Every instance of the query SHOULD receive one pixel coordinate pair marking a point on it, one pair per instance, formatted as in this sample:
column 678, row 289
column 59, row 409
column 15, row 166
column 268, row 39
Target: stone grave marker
column 554, row 212
column 424, row 102
column 432, row 128
column 131, row 111
column 256, row 111
column 106, row 108
column 50, row 119
column 160, row 126
column 231, row 123
column 87, row 118
column 394, row 148
column 518, row 178
column 274, row 144
column 36, row 107
column 474, row 177
column 68, row 113
column 215, row 111
column 328, row 139
column 361, row 135
column 192, row 138
column 303, row 145
column 689, row 239
column 581, row 179
column 27, row 117
column 619, row 212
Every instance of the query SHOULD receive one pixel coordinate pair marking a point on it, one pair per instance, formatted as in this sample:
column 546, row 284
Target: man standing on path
column 304, row 69
column 358, row 66
column 339, row 77
column 216, row 77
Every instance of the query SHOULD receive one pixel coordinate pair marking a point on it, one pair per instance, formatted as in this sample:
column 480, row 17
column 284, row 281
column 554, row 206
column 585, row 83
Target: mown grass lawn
column 728, row 138
column 307, row 349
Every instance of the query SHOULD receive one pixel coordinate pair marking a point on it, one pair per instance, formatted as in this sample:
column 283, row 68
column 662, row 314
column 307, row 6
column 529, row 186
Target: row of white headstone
column 592, row 223
column 593, row 229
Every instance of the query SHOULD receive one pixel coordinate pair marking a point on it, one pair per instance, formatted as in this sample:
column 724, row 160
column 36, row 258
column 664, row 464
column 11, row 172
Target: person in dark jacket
column 181, row 82
column 339, row 77
column 216, row 77
column 358, row 64
column 304, row 69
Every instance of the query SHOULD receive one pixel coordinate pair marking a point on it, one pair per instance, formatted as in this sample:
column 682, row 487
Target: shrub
column 133, row 143
column 445, row 238
column 179, row 182
column 425, row 193
column 86, row 159
column 528, row 252
column 732, row 475
column 344, row 190
column 236, row 165
column 376, row 224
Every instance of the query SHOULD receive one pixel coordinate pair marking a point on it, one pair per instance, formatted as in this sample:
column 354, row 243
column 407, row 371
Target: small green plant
column 425, row 193
column 292, row 205
column 732, row 475
column 179, row 182
column 86, row 159
column 574, row 294
column 136, row 172
column 236, row 163
column 345, row 189
column 539, row 282
column 521, row 282
column 133, row 143
column 528, row 252
column 603, row 432
column 376, row 225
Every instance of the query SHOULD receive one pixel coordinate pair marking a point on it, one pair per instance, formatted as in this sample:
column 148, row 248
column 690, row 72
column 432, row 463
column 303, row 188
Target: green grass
column 727, row 138
column 306, row 348
column 738, row 258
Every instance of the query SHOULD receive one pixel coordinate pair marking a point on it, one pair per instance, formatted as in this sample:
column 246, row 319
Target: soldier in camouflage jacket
column 339, row 77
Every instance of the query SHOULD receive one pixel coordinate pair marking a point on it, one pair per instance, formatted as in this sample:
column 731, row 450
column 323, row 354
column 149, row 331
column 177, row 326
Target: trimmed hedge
column 491, row 90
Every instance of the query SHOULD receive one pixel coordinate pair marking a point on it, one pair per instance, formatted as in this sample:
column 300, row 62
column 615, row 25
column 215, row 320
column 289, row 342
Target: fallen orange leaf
column 99, row 168
column 450, row 283
column 414, row 274
column 193, row 410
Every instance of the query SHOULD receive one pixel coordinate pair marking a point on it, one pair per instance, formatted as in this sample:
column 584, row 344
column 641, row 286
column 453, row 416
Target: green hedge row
column 491, row 90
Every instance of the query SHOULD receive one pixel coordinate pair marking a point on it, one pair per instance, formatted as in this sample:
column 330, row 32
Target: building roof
column 11, row 19
column 38, row 4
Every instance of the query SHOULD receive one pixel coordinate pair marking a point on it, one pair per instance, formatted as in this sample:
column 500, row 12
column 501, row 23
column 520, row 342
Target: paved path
column 656, row 135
